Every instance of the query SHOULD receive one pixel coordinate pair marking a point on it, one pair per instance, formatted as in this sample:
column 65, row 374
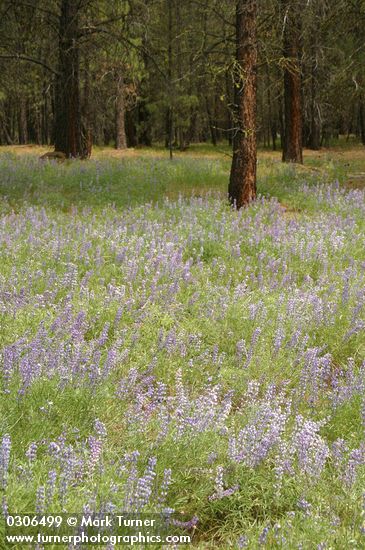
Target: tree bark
column 293, row 150
column 120, row 134
column 86, row 112
column 242, row 185
column 169, row 111
column 229, row 122
column 271, row 116
column 179, row 130
column 144, row 124
column 68, row 127
column 362, row 120
column 315, row 126
column 45, row 114
column 212, row 129
column 23, row 125
column 130, row 128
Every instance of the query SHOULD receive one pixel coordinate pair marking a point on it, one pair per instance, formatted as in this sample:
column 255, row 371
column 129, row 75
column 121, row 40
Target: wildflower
column 5, row 449
column 100, row 428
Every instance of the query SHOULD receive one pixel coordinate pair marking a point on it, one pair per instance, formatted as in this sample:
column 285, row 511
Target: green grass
column 110, row 238
column 148, row 177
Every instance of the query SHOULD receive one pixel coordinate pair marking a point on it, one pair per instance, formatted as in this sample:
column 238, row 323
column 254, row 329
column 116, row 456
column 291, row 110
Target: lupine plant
column 181, row 356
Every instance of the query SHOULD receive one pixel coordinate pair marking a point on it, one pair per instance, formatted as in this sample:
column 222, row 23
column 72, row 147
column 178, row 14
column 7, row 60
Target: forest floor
column 161, row 351
column 344, row 162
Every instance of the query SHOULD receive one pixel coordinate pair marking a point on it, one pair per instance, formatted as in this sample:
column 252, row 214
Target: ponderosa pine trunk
column 120, row 134
column 293, row 149
column 45, row 115
column 362, row 120
column 68, row 128
column 169, row 114
column 315, row 129
column 315, row 122
column 213, row 133
column 86, row 112
column 242, row 184
column 23, row 124
column 229, row 123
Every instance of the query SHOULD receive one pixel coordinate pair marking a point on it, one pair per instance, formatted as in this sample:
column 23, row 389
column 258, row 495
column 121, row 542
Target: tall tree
column 68, row 135
column 242, row 184
column 292, row 150
column 120, row 134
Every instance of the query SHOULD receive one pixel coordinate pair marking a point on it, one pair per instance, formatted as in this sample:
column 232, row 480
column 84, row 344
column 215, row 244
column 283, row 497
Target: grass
column 138, row 176
column 140, row 314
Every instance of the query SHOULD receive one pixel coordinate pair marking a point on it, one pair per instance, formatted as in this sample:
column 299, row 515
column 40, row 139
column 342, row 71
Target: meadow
column 161, row 351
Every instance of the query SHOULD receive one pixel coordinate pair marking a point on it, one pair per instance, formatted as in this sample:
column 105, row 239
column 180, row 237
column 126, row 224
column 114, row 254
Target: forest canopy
column 138, row 72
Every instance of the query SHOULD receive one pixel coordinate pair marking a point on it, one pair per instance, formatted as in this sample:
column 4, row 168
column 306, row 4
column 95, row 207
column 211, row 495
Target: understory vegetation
column 160, row 350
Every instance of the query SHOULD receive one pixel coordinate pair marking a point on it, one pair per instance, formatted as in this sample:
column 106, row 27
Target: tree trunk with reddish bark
column 292, row 150
column 120, row 134
column 362, row 120
column 23, row 124
column 242, row 185
column 68, row 127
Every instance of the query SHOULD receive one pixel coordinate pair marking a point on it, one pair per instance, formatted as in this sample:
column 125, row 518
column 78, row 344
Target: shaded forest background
column 141, row 72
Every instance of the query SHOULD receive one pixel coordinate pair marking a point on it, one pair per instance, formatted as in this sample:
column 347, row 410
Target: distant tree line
column 141, row 72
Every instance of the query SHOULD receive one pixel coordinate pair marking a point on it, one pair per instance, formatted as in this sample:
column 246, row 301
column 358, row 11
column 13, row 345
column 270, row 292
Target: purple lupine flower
column 5, row 449
column 69, row 464
column 54, row 449
column 96, row 447
column 346, row 286
column 242, row 542
column 164, row 487
column 363, row 412
column 257, row 438
column 118, row 316
column 263, row 536
column 283, row 462
column 9, row 358
column 212, row 457
column 335, row 521
column 224, row 493
column 254, row 340
column 218, row 484
column 40, row 503
column 186, row 524
column 253, row 388
column 104, row 335
column 100, row 428
column 31, row 453
column 215, row 354
column 279, row 339
column 182, row 405
column 254, row 309
column 304, row 505
column 131, row 480
column 241, row 350
column 79, row 327
column 161, row 392
column 109, row 363
column 144, row 485
column 339, row 449
column 356, row 459
column 293, row 342
column 312, row 451
column 50, row 487
column 127, row 384
column 316, row 372
column 164, row 422
column 4, row 507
